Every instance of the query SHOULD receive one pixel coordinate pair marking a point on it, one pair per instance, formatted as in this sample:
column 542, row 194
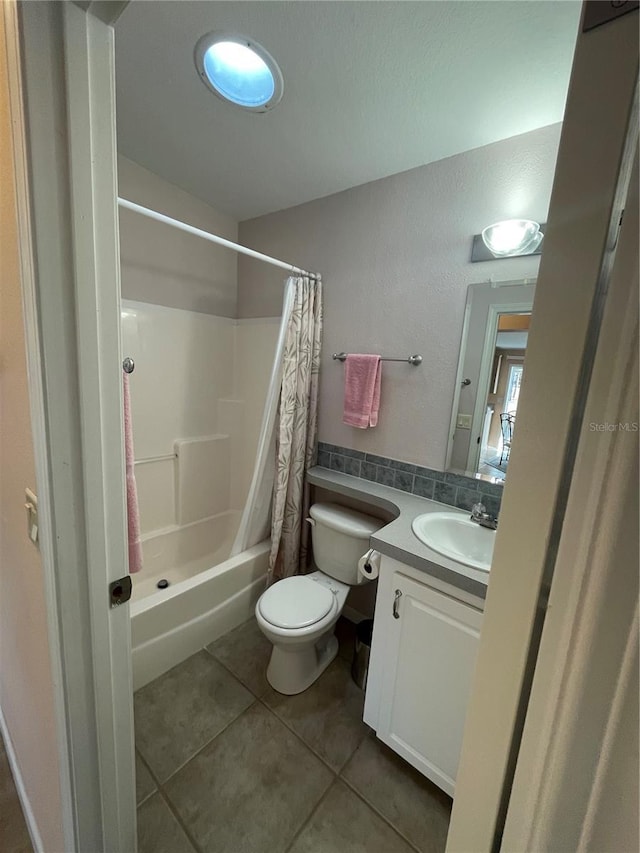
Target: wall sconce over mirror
column 510, row 238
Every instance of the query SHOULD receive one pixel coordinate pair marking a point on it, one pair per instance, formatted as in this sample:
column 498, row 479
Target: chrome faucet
column 480, row 515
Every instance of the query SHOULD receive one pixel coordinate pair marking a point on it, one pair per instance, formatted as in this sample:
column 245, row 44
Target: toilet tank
column 340, row 537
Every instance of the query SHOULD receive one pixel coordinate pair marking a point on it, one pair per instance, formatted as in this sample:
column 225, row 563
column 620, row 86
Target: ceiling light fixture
column 512, row 237
column 239, row 70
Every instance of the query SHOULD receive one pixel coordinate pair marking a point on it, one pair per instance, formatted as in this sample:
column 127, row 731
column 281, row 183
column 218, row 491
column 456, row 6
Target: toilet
column 298, row 614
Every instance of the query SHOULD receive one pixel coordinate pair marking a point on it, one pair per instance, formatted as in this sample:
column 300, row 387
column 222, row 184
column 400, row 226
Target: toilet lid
column 295, row 602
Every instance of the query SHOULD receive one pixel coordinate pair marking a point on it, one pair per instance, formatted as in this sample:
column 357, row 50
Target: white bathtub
column 209, row 594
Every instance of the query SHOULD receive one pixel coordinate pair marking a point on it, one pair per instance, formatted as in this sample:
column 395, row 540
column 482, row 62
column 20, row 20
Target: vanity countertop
column 396, row 539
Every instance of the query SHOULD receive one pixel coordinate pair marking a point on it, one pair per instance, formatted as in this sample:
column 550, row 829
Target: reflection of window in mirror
column 513, row 388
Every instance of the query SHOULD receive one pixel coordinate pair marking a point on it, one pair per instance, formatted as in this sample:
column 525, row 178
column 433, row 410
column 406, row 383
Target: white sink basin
column 457, row 537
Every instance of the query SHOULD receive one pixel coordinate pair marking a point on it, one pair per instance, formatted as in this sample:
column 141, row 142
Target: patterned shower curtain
column 296, row 431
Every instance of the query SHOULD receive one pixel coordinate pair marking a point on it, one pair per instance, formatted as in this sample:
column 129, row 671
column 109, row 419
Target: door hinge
column 120, row 591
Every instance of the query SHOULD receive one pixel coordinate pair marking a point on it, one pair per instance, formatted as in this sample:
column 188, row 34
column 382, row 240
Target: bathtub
column 209, row 593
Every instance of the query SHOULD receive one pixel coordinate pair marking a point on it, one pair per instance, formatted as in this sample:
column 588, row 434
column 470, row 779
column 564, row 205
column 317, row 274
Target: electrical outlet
column 464, row 421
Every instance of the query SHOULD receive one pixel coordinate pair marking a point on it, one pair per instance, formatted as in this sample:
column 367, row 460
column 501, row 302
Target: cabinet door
column 433, row 642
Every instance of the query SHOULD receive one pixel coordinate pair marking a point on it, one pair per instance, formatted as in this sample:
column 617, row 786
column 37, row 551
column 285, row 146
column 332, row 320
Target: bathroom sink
column 457, row 537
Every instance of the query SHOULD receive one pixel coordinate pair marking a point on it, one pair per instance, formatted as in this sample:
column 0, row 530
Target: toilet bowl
column 298, row 614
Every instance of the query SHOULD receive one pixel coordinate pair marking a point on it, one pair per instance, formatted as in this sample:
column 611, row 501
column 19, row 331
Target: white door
column 432, row 645
column 61, row 69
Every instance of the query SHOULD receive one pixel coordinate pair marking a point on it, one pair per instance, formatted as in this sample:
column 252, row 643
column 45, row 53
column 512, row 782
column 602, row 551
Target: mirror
column 490, row 369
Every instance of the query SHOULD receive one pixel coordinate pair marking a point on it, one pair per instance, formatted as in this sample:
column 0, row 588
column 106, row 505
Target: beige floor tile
column 145, row 786
column 246, row 652
column 251, row 789
column 14, row 835
column 344, row 824
column 417, row 808
column 158, row 830
column 178, row 713
column 327, row 716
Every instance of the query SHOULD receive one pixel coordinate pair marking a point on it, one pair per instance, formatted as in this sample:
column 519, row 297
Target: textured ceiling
column 370, row 89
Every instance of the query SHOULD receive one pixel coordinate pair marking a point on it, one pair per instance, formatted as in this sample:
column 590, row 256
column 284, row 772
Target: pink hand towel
column 361, row 390
column 133, row 512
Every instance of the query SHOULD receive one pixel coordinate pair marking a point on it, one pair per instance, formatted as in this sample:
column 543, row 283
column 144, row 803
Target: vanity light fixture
column 512, row 237
column 239, row 70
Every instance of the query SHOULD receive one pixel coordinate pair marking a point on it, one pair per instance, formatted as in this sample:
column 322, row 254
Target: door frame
column 578, row 697
column 588, row 197
column 62, row 84
column 68, row 231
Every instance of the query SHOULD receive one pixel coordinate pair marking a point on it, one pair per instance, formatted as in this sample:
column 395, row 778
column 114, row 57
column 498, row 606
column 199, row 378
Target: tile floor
column 227, row 765
column 14, row 836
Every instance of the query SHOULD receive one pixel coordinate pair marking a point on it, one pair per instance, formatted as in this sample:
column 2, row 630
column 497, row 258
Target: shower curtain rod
column 213, row 238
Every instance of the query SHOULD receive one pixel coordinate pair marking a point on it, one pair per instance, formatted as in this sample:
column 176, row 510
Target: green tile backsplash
column 448, row 488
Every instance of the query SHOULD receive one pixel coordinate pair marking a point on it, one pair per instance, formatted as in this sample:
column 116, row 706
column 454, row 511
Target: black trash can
column 360, row 665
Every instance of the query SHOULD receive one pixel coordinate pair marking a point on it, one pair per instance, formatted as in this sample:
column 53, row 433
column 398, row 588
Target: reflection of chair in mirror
column 507, row 422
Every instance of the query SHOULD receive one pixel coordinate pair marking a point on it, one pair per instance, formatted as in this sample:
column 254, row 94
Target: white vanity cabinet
column 423, row 654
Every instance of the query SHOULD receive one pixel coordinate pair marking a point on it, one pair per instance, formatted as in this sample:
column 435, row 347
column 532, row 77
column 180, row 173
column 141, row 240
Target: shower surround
column 198, row 395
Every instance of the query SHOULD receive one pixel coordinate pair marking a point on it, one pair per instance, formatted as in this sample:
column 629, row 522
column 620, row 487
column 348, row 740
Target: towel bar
column 415, row 360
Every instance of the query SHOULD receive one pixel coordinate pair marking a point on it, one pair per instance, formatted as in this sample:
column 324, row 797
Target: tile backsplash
column 443, row 486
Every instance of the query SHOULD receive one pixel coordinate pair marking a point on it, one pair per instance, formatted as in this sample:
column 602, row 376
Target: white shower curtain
column 287, row 441
column 256, row 517
column 296, row 430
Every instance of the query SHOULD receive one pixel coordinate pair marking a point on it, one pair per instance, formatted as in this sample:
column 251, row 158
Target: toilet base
column 293, row 668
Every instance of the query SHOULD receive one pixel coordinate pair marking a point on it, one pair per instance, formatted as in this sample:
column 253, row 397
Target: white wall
column 26, row 690
column 179, row 300
column 163, row 265
column 201, row 377
column 184, row 365
column 394, row 255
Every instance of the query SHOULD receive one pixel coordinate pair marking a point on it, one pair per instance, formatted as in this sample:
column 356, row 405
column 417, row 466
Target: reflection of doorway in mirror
column 504, row 392
column 492, row 311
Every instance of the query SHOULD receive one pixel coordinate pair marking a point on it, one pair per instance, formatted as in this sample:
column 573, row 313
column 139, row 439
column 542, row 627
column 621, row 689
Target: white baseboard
column 29, row 817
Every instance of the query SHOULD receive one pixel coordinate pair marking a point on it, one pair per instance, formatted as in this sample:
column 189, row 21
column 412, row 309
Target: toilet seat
column 296, row 602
